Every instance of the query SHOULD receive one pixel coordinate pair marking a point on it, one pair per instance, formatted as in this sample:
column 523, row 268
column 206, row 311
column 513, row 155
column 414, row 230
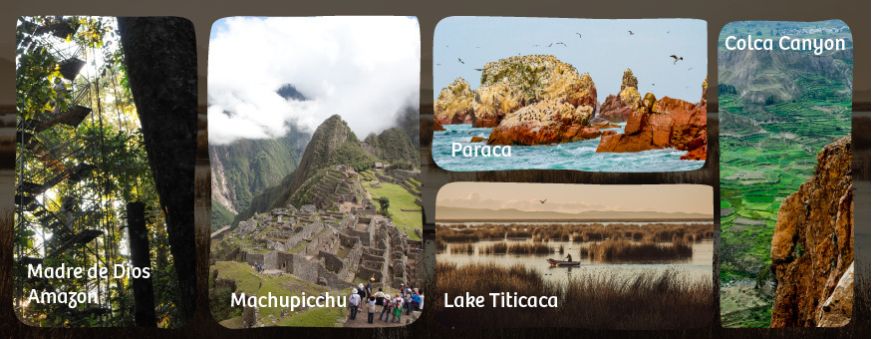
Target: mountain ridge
column 332, row 143
column 473, row 214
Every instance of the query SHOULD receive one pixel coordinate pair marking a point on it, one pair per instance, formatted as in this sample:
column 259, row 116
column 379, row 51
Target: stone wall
column 305, row 269
column 352, row 263
column 363, row 236
column 303, row 234
column 326, row 241
column 331, row 262
column 250, row 258
column 285, row 262
column 270, row 262
column 347, row 240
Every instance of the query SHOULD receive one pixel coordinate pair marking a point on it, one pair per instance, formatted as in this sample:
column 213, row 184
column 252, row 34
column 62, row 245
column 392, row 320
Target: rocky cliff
column 454, row 105
column 535, row 99
column 618, row 108
column 812, row 250
column 662, row 123
column 512, row 83
column 493, row 102
column 546, row 122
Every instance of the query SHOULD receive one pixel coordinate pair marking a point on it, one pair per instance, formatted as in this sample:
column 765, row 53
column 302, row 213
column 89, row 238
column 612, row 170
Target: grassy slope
column 399, row 200
column 250, row 282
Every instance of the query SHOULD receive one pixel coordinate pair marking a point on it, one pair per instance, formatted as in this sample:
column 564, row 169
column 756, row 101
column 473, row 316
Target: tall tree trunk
column 161, row 58
column 143, row 290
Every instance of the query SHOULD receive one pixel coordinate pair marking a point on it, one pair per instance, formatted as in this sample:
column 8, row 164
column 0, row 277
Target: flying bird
column 461, row 61
column 579, row 34
column 542, row 202
column 477, row 69
column 550, row 45
column 676, row 58
column 561, row 43
column 630, row 32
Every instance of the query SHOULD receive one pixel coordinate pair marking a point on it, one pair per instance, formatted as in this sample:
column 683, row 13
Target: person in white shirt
column 354, row 302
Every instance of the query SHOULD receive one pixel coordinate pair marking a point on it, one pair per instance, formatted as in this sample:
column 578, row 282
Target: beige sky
column 575, row 198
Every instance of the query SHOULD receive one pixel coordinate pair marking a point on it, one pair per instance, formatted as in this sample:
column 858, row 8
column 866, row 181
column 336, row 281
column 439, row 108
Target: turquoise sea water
column 580, row 156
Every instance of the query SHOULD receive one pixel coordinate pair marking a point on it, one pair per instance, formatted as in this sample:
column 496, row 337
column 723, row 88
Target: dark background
column 202, row 13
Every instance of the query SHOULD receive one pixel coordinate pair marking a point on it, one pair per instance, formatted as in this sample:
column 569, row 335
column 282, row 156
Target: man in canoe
column 569, row 258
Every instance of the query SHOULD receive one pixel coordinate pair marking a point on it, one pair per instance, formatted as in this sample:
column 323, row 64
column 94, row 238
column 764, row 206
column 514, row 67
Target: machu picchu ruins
column 329, row 247
column 348, row 215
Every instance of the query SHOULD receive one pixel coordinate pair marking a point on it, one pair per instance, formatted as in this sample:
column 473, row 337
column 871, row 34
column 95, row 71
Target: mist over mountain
column 289, row 92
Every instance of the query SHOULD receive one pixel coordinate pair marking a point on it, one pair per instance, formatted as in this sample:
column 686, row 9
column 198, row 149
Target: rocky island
column 540, row 100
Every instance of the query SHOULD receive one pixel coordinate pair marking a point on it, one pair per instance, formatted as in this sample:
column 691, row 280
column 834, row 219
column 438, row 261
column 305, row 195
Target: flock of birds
column 676, row 58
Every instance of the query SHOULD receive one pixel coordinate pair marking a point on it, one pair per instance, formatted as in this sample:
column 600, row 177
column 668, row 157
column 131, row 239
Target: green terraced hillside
column 766, row 152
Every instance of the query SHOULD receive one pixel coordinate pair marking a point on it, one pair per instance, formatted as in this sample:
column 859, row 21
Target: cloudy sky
column 605, row 50
column 573, row 198
column 366, row 69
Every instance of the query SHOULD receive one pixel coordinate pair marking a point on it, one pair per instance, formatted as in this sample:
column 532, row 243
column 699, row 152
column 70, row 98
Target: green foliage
column 219, row 302
column 384, row 203
column 353, row 155
column 110, row 140
column 395, row 147
column 38, row 83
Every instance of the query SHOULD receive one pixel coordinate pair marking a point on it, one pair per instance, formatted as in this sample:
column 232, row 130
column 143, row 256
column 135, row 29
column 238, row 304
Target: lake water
column 580, row 155
column 698, row 266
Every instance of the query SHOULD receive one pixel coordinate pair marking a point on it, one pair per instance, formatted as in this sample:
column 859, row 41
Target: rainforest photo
column 569, row 94
column 787, row 199
column 104, row 171
column 315, row 170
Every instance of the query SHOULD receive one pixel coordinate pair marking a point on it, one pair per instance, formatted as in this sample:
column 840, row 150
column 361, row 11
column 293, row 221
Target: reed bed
column 462, row 249
column 495, row 249
column 650, row 301
column 622, row 250
column 530, row 249
column 502, row 248
column 579, row 233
